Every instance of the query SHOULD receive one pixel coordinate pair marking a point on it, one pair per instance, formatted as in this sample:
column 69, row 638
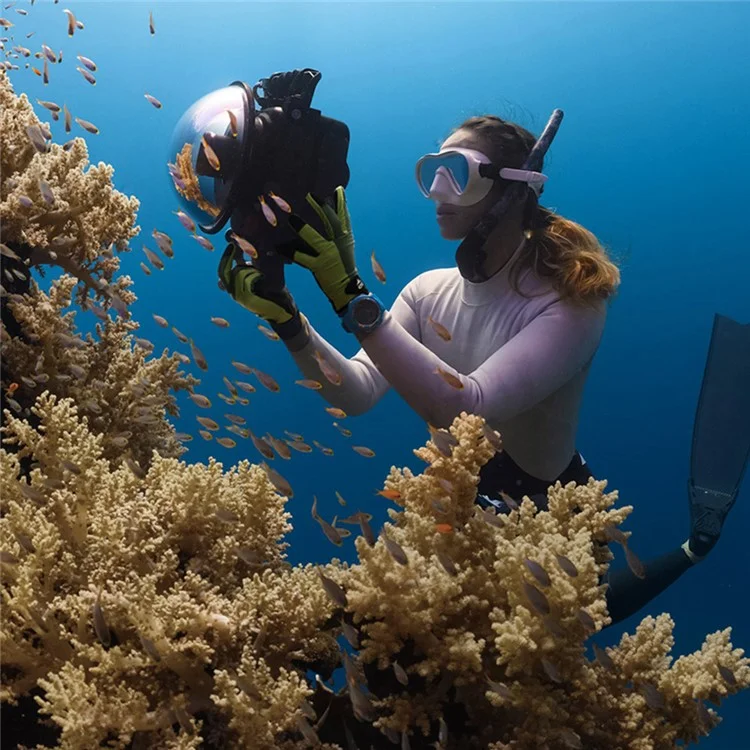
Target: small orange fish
column 51, row 106
column 567, row 565
column 395, row 550
column 492, row 437
column 336, row 412
column 443, row 440
column 164, row 241
column 270, row 334
column 279, row 446
column 198, row 357
column 280, row 202
column 208, row 423
column 153, row 100
column 441, row 330
column 312, row 385
column 230, row 386
column 155, row 260
column 181, row 336
column 332, row 533
column 323, row 449
column 46, row 192
column 268, row 214
column 12, row 388
column 330, row 373
column 267, row 381
column 202, row 401
column 342, row 430
column 299, row 446
column 377, row 269
column 204, row 242
column 247, row 247
column 277, row 480
column 363, row 451
column 49, row 54
column 89, row 127
column 87, row 75
column 262, row 447
column 449, row 378
column 185, row 220
column 85, row 61
column 635, row 565
column 389, row 494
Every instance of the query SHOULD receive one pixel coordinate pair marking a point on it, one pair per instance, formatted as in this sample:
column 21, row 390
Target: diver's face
column 455, row 222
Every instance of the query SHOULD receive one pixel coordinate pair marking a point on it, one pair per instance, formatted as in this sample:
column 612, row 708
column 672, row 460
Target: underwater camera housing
column 285, row 147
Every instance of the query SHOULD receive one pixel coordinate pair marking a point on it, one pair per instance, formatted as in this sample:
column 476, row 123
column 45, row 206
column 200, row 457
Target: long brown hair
column 559, row 249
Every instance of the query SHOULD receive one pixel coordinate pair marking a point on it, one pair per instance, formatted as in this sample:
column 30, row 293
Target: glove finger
column 312, row 242
column 336, row 212
column 240, row 278
column 319, row 206
column 342, row 211
column 225, row 265
column 254, row 299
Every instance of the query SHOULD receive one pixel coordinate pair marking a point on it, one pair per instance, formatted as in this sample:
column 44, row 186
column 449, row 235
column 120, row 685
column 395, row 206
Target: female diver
column 524, row 311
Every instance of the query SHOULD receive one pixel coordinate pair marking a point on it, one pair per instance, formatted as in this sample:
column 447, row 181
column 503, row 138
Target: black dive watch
column 363, row 314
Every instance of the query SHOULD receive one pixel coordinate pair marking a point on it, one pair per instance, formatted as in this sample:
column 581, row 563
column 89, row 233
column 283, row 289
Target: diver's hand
column 329, row 257
column 257, row 292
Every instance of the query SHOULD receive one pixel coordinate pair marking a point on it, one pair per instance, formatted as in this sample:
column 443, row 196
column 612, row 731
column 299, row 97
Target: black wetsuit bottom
column 626, row 593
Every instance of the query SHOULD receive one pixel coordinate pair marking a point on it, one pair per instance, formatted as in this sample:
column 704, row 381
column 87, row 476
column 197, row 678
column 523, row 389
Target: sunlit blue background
column 652, row 157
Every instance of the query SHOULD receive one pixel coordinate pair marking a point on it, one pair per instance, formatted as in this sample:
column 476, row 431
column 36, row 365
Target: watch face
column 366, row 311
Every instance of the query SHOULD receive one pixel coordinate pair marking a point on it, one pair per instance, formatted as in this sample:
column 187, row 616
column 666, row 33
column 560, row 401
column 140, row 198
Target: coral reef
column 155, row 608
column 55, row 212
column 147, row 602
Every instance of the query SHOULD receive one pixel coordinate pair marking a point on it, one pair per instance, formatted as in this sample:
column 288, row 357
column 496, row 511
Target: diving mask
column 462, row 176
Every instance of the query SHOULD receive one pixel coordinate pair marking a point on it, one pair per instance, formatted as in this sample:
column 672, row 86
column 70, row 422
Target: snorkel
column 472, row 252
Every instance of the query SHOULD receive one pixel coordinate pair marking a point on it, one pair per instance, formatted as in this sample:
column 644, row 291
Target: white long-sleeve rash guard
column 522, row 361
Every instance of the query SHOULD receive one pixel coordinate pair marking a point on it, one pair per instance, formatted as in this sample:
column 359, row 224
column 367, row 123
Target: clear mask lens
column 450, row 166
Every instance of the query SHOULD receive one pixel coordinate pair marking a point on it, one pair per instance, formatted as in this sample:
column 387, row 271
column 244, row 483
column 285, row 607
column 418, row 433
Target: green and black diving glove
column 330, row 257
column 261, row 288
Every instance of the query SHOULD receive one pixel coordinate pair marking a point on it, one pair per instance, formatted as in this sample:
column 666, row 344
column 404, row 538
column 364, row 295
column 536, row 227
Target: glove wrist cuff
column 289, row 330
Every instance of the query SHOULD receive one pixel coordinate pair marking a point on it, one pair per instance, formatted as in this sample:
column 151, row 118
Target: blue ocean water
column 651, row 157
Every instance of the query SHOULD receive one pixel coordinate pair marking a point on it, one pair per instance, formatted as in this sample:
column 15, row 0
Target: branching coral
column 120, row 590
column 502, row 606
column 121, row 390
column 81, row 214
column 125, row 394
column 158, row 607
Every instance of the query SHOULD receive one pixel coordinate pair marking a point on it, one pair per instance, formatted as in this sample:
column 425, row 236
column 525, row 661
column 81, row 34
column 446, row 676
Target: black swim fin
column 721, row 433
